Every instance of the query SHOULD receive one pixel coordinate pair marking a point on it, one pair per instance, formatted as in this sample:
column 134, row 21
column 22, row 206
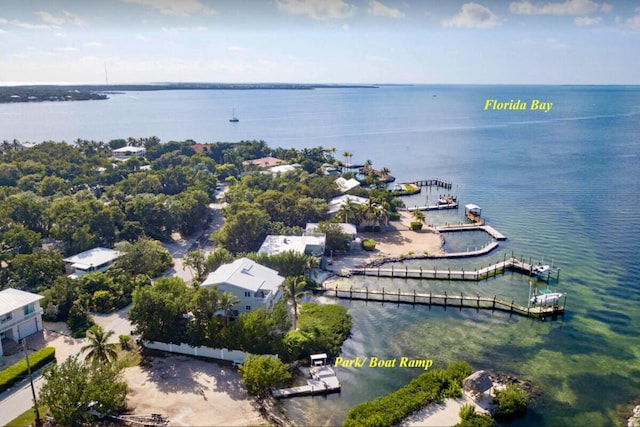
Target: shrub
column 125, row 342
column 415, row 225
column 17, row 371
column 511, row 401
column 368, row 244
column 393, row 216
column 260, row 373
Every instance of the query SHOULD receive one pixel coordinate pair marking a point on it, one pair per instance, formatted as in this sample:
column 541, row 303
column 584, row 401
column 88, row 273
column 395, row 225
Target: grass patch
column 28, row 417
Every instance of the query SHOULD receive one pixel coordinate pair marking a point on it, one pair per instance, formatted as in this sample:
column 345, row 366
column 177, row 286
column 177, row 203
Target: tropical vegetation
column 431, row 386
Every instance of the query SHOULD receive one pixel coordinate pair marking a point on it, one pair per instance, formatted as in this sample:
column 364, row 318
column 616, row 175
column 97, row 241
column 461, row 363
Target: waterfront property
column 20, row 316
column 253, row 284
column 346, row 185
column 337, row 202
column 96, row 259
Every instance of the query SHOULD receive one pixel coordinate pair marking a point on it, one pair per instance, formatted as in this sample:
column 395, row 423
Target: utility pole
column 33, row 390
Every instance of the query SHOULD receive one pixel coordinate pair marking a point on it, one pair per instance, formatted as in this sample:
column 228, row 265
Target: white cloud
column 65, row 18
column 175, row 7
column 473, row 15
column 634, row 22
column 141, row 37
column 49, row 18
column 606, row 7
column 68, row 49
column 93, row 44
column 235, row 49
column 317, row 9
column 569, row 7
column 377, row 8
column 586, row 20
column 30, row 26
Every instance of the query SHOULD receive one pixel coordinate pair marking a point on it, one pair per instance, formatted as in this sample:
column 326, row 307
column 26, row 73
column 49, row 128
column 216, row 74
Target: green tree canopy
column 260, row 373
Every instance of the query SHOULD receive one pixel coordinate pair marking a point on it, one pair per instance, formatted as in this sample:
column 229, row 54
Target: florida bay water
column 562, row 185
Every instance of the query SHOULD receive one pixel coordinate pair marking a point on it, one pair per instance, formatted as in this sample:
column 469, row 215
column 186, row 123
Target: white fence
column 235, row 356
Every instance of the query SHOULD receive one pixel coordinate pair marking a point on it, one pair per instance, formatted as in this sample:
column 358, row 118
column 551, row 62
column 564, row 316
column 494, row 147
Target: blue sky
column 320, row 41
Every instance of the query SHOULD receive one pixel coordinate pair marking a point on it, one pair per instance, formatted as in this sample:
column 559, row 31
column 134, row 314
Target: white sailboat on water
column 233, row 118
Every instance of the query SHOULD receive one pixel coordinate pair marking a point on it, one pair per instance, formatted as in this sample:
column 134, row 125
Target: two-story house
column 20, row 316
column 96, row 259
column 253, row 284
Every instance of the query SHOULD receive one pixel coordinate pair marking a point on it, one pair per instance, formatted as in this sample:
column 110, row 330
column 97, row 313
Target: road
column 16, row 401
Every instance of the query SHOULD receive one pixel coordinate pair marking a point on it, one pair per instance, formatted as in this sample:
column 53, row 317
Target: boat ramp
column 323, row 381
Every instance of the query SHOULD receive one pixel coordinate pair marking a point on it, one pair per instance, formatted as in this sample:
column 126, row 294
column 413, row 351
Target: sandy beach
column 446, row 413
column 190, row 392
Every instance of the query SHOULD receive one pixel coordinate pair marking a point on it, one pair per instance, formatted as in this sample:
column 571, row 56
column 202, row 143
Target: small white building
column 253, row 284
column 125, row 153
column 20, row 315
column 312, row 244
column 96, row 259
column 345, row 185
column 348, row 229
column 336, row 203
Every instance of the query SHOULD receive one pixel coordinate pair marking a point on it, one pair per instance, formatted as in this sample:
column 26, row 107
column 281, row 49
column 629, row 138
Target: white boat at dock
column 541, row 270
column 546, row 298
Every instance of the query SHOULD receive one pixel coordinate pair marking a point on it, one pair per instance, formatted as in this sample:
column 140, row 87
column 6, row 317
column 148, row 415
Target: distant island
column 40, row 93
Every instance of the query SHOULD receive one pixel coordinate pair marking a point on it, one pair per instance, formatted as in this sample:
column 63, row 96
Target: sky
column 320, row 41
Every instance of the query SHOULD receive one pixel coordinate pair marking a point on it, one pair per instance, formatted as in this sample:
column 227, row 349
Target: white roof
column 346, row 228
column 13, row 299
column 128, row 149
column 282, row 169
column 93, row 257
column 246, row 274
column 347, row 184
column 336, row 203
column 471, row 206
column 275, row 244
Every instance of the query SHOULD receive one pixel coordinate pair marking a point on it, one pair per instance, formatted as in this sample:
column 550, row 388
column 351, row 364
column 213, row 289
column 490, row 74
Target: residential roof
column 265, row 162
column 471, row 206
column 93, row 257
column 346, row 228
column 336, row 203
column 247, row 274
column 12, row 299
column 275, row 244
column 283, row 168
column 347, row 184
column 128, row 149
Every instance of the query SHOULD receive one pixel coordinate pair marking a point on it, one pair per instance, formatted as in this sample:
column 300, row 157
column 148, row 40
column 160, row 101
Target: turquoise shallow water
column 562, row 186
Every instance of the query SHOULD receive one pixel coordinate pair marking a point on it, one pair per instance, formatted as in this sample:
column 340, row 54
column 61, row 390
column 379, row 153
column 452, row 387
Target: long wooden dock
column 472, row 227
column 511, row 264
column 437, row 207
column 323, row 381
column 447, row 300
column 435, row 182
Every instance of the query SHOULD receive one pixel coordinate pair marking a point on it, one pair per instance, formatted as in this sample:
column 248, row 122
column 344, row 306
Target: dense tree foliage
column 71, row 386
column 261, row 373
column 430, row 387
column 511, row 401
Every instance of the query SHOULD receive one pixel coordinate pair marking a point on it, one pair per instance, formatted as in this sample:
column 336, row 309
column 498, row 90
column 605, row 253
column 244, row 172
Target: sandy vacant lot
column 190, row 392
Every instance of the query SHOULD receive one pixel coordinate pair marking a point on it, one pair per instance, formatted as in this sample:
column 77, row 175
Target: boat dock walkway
column 437, row 207
column 323, row 381
column 471, row 227
column 511, row 264
column 428, row 182
column 447, row 300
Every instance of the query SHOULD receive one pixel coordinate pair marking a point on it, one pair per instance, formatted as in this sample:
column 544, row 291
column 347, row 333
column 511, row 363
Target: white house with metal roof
column 337, row 202
column 20, row 315
column 125, row 153
column 96, row 259
column 253, row 284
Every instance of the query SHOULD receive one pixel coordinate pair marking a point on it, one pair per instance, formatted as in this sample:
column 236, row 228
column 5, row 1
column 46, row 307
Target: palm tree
column 349, row 210
column 418, row 215
column 98, row 349
column 226, row 302
column 346, row 155
column 293, row 286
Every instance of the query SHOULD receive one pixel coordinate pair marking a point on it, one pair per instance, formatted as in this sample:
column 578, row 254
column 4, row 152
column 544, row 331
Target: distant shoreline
column 58, row 93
